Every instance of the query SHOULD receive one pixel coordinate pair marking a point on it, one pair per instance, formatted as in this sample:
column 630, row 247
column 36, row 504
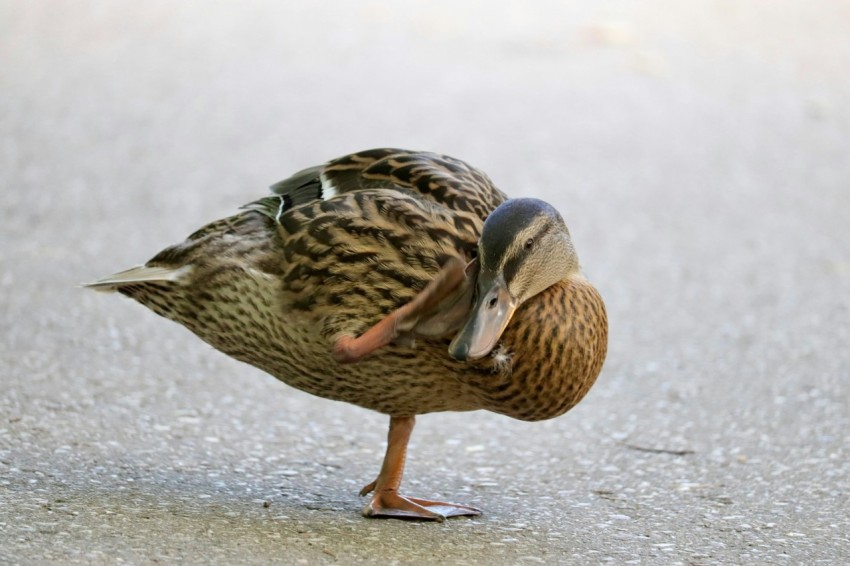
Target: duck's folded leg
column 349, row 349
column 387, row 502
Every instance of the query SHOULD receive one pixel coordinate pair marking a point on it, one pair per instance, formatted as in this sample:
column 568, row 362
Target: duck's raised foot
column 394, row 506
column 404, row 319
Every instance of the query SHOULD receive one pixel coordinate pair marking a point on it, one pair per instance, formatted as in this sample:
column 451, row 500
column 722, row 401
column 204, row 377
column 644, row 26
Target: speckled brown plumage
column 337, row 249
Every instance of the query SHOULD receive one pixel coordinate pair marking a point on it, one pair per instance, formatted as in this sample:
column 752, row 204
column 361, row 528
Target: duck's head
column 525, row 248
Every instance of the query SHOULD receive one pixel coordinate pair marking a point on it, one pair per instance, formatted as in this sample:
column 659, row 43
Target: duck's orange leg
column 387, row 502
column 349, row 349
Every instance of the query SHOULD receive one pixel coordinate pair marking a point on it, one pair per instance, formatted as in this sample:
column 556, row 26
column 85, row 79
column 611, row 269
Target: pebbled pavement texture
column 698, row 150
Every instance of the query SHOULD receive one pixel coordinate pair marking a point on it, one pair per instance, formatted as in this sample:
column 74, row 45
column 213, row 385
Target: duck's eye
column 528, row 243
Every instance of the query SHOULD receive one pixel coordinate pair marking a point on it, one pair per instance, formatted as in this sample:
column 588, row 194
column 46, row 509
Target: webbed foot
column 389, row 504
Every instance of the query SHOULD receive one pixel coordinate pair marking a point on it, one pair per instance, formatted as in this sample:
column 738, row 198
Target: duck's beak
column 489, row 316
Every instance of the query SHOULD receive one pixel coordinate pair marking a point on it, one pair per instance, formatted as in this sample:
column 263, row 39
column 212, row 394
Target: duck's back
column 441, row 179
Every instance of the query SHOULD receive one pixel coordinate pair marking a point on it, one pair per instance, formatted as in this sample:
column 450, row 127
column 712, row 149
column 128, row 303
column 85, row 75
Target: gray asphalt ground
column 699, row 150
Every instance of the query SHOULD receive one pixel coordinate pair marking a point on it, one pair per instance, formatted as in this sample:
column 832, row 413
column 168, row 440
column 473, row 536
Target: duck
column 400, row 281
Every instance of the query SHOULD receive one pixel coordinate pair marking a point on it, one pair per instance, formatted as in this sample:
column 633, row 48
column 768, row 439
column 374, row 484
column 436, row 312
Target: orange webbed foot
column 389, row 504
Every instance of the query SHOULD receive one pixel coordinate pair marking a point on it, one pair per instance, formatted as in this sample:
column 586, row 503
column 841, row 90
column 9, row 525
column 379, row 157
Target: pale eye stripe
column 517, row 254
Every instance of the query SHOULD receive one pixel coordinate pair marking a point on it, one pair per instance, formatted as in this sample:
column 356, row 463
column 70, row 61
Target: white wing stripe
column 329, row 191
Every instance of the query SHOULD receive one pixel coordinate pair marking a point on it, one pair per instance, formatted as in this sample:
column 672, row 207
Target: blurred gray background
column 698, row 149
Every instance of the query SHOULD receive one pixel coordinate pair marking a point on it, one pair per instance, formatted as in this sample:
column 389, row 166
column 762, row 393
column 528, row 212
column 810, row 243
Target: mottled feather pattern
column 275, row 287
column 438, row 178
column 563, row 332
column 372, row 250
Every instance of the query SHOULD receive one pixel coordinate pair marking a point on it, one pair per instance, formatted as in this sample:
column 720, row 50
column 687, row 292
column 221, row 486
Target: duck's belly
column 246, row 320
column 395, row 381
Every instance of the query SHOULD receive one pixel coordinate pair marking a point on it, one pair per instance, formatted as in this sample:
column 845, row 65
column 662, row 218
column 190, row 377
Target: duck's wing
column 355, row 259
column 438, row 178
column 381, row 235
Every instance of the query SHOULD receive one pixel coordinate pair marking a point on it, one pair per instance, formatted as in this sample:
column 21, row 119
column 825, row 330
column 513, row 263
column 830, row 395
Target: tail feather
column 140, row 274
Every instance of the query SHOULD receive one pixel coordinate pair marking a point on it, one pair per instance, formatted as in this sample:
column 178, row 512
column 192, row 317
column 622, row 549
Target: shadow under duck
column 403, row 282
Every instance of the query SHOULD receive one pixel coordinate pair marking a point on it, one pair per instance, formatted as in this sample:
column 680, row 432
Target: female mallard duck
column 351, row 260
